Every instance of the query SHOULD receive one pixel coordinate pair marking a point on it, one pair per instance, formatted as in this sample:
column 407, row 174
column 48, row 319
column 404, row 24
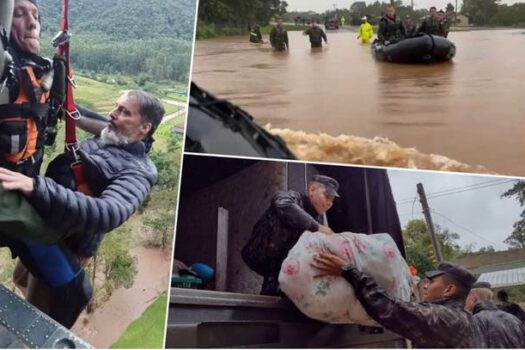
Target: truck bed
column 200, row 318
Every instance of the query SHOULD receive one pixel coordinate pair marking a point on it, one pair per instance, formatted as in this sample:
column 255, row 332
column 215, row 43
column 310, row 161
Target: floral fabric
column 332, row 299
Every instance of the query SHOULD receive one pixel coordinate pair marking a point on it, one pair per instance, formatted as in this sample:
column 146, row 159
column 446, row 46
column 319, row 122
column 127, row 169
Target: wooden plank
column 222, row 250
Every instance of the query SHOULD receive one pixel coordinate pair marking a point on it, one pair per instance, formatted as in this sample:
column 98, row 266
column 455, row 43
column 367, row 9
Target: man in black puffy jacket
column 120, row 174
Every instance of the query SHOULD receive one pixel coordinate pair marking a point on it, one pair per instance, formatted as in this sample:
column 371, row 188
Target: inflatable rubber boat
column 425, row 48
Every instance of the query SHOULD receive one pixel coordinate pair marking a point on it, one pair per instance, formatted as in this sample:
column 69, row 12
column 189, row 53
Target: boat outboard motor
column 6, row 18
column 217, row 126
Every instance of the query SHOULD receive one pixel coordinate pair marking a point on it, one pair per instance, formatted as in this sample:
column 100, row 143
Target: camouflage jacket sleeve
column 323, row 35
column 381, row 30
column 272, row 36
column 423, row 27
column 289, row 208
column 426, row 324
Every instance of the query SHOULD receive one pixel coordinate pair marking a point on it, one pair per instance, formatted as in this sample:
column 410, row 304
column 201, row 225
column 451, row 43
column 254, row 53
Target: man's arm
column 75, row 212
column 429, row 324
column 90, row 121
column 422, row 28
column 381, row 31
column 323, row 35
column 286, row 205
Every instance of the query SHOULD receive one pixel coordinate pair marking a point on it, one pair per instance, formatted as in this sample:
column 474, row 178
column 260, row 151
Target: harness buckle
column 75, row 115
column 73, row 148
column 32, row 159
column 61, row 38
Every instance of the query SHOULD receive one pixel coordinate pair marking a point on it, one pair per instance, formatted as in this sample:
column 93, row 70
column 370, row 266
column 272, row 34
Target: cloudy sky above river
column 323, row 5
column 466, row 204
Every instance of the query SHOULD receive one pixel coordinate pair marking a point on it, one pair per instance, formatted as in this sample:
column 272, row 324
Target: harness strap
column 37, row 111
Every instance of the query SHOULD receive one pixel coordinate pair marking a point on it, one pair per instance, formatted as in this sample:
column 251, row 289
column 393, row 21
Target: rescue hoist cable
column 70, row 112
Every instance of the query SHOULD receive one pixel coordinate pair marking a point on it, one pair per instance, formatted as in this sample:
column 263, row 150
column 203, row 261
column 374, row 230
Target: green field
column 101, row 96
column 288, row 27
column 147, row 332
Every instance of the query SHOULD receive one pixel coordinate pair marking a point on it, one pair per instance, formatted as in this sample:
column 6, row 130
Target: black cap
column 482, row 284
column 331, row 185
column 459, row 273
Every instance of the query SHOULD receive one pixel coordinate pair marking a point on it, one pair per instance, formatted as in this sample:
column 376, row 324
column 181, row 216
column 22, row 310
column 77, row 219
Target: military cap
column 459, row 273
column 481, row 284
column 331, row 185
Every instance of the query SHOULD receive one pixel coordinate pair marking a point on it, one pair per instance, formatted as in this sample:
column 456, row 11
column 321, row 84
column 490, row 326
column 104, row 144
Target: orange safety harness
column 22, row 122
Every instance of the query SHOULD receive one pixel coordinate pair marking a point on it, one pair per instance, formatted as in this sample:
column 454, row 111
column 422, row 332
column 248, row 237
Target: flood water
column 471, row 109
column 111, row 319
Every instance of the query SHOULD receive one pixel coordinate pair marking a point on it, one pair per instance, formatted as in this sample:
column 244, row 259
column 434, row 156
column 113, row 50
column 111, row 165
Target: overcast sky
column 323, row 5
column 481, row 210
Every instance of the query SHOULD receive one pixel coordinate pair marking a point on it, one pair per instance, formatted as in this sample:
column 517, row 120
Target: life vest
column 22, row 123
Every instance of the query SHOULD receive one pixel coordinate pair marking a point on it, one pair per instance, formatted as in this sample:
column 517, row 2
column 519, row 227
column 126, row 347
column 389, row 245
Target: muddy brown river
column 471, row 109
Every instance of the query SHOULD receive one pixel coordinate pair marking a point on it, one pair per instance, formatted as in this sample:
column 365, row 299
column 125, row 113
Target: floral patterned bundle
column 332, row 299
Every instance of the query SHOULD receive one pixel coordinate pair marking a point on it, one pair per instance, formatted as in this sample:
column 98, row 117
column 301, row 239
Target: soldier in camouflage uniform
column 390, row 30
column 499, row 328
column 290, row 214
column 279, row 37
column 255, row 35
column 440, row 321
column 408, row 27
column 443, row 23
column 431, row 24
column 316, row 34
column 511, row 308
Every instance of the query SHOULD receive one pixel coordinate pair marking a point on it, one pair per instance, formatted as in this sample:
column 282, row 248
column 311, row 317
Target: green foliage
column 513, row 15
column 126, row 37
column 147, row 331
column 122, row 269
column 516, row 294
column 517, row 237
column 123, row 19
column 374, row 11
column 419, row 250
column 160, row 228
column 239, row 14
column 167, row 164
column 114, row 259
column 480, row 11
column 288, row 27
column 7, row 266
column 487, row 249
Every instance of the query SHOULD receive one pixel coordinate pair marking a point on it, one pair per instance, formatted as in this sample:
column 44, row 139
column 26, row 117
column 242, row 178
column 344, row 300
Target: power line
column 456, row 190
column 465, row 228
column 473, row 185
column 469, row 187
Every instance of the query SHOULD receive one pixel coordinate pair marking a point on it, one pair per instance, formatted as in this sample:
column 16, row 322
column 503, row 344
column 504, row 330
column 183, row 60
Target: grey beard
column 110, row 137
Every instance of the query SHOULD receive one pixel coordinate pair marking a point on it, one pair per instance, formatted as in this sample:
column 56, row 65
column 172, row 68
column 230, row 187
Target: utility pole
column 428, row 219
column 456, row 14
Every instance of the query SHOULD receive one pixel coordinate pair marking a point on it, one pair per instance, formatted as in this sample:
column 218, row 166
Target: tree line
column 126, row 37
column 492, row 13
column 239, row 14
